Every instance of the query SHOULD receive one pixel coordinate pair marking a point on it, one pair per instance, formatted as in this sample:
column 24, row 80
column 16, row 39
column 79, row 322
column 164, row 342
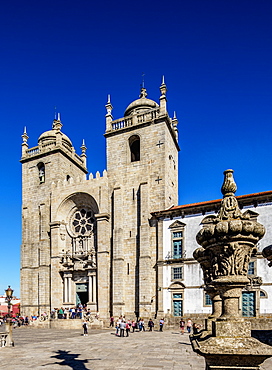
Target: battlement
column 80, row 180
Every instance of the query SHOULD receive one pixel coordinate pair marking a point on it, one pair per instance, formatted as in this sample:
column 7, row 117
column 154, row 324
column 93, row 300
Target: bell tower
column 142, row 164
column 51, row 162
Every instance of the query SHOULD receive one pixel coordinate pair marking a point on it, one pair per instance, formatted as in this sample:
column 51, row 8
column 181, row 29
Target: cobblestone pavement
column 101, row 350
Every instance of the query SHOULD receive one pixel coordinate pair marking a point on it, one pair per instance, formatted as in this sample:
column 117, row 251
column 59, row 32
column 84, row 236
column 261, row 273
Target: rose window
column 82, row 222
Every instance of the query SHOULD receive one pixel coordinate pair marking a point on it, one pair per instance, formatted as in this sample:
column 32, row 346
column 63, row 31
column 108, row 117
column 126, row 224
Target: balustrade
column 134, row 120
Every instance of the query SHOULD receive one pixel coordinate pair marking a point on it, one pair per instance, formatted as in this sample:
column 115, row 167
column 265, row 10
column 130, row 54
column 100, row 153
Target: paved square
column 101, row 350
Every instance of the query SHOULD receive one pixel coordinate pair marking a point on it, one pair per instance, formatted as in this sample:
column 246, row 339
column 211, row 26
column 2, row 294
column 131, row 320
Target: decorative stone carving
column 228, row 241
column 267, row 253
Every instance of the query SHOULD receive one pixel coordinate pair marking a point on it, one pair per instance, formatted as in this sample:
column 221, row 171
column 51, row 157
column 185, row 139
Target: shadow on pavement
column 70, row 359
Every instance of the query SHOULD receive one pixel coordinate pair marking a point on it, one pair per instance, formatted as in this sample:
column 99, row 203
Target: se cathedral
column 92, row 240
column 116, row 242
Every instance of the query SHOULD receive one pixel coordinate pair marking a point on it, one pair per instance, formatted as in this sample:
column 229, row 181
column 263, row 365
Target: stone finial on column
column 228, row 241
column 83, row 153
column 24, row 144
column 175, row 124
column 57, row 125
column 163, row 99
column 109, row 116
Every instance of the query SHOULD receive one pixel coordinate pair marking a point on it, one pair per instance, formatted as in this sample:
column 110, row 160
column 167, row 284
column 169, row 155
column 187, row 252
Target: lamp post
column 9, row 297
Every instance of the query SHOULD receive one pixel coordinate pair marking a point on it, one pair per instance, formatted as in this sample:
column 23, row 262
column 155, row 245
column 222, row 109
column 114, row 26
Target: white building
column 180, row 277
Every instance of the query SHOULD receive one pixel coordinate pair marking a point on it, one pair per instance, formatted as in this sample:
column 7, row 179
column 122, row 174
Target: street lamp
column 9, row 297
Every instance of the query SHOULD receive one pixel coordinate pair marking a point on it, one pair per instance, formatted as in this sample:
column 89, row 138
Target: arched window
column 134, row 144
column 41, row 170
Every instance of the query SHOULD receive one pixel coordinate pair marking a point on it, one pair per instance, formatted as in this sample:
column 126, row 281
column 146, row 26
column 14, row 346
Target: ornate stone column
column 202, row 257
column 228, row 240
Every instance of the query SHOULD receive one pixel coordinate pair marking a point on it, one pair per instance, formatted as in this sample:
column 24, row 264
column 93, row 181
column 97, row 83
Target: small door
column 248, row 304
column 82, row 293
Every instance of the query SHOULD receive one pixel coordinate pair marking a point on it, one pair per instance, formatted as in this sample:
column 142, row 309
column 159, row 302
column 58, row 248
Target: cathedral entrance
column 82, row 294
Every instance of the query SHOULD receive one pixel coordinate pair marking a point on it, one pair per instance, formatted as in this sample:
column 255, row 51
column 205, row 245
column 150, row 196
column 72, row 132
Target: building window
column 177, row 251
column 176, row 273
column 263, row 294
column 251, row 268
column 177, row 244
column 41, row 170
column 248, row 304
column 82, row 222
column 177, row 304
column 134, row 145
column 207, row 300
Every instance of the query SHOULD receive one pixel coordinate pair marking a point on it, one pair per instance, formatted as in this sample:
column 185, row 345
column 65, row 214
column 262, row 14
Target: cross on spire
column 143, row 79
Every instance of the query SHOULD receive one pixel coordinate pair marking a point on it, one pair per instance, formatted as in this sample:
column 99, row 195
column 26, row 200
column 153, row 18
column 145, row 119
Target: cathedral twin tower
column 93, row 241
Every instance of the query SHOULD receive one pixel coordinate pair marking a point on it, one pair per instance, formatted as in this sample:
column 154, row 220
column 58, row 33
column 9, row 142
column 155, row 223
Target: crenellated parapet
column 70, row 182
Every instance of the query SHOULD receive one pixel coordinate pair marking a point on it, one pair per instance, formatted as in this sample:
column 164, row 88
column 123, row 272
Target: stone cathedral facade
column 92, row 240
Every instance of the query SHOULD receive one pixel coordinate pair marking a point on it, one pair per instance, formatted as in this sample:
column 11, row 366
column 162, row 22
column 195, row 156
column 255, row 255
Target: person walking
column 161, row 324
column 182, row 326
column 117, row 326
column 85, row 328
column 140, row 324
column 189, row 325
column 112, row 321
column 150, row 324
column 143, row 325
column 122, row 326
column 127, row 329
column 133, row 325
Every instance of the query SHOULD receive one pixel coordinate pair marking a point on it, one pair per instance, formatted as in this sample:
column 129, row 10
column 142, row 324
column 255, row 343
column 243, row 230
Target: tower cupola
column 140, row 105
column 55, row 135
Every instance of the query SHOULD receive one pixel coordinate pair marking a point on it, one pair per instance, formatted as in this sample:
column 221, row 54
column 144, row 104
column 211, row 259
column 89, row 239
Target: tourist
column 141, row 325
column 133, row 325
column 129, row 323
column 195, row 328
column 182, row 326
column 117, row 326
column 161, row 324
column 53, row 313
column 150, row 324
column 66, row 313
column 111, row 321
column 127, row 329
column 122, row 327
column 60, row 313
column 73, row 313
column 189, row 325
column 85, row 328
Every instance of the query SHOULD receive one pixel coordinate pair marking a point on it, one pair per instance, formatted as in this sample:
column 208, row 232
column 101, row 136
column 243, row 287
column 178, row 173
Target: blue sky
column 217, row 60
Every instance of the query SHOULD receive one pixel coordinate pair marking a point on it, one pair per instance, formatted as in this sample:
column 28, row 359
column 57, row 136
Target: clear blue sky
column 217, row 60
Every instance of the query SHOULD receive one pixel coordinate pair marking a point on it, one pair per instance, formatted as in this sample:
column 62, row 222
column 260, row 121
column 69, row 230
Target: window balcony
column 175, row 256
